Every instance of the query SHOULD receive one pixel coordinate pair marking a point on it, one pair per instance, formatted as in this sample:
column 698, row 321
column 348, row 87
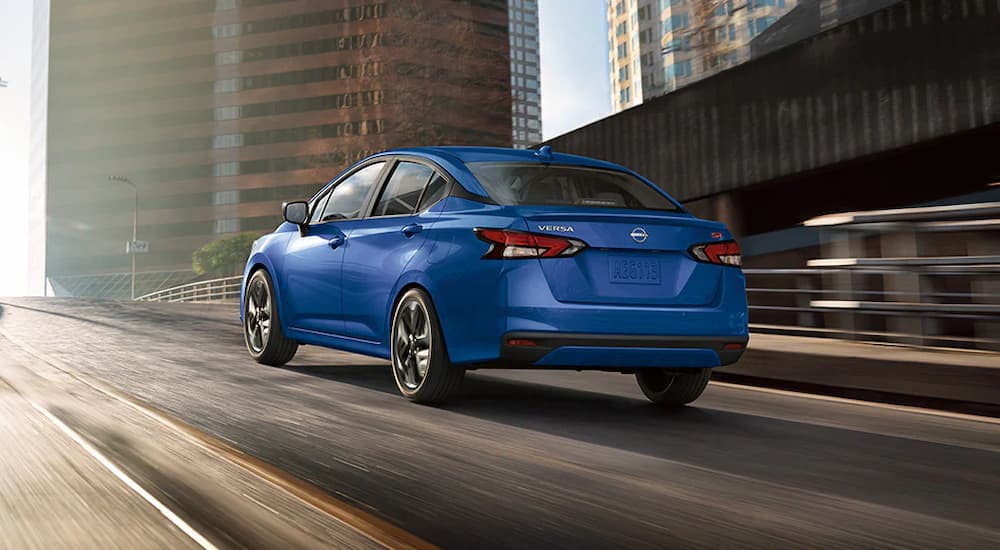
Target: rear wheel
column 671, row 388
column 262, row 332
column 420, row 363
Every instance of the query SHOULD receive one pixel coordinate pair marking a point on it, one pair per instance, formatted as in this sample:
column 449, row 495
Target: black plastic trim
column 526, row 356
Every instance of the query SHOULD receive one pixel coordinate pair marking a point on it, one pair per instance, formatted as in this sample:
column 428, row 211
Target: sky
column 574, row 57
column 574, row 80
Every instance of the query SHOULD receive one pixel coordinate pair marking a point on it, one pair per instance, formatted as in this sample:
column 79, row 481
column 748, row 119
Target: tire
column 668, row 388
column 262, row 330
column 420, row 364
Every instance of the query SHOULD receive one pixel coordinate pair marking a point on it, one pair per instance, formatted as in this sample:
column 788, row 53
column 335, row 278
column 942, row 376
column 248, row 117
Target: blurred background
column 148, row 143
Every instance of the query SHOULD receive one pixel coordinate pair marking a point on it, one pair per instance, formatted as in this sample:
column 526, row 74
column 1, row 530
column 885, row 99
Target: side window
column 437, row 189
column 403, row 190
column 348, row 197
column 317, row 208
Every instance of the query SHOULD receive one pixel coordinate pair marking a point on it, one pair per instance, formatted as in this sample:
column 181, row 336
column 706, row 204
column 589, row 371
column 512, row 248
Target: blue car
column 447, row 259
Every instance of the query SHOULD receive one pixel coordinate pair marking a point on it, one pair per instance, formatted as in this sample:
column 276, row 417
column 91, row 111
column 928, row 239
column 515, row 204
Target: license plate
column 643, row 271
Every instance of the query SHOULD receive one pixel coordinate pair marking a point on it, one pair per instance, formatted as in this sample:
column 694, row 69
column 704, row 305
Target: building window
column 223, row 5
column 228, row 58
column 226, row 141
column 227, row 31
column 680, row 69
column 223, row 169
column 751, row 4
column 231, row 196
column 227, row 85
column 229, row 225
column 227, row 113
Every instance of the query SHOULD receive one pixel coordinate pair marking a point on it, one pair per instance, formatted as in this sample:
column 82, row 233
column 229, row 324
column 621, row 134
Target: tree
column 225, row 256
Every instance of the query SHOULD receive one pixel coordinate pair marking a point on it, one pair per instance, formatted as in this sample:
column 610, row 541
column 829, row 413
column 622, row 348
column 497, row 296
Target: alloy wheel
column 258, row 315
column 412, row 344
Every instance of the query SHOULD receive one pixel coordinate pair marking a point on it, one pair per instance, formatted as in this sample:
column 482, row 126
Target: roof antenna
column 544, row 152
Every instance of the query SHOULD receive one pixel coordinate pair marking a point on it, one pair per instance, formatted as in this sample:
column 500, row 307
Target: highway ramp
column 542, row 459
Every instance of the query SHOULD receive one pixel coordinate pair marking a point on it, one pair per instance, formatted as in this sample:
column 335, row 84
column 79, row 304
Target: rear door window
column 402, row 192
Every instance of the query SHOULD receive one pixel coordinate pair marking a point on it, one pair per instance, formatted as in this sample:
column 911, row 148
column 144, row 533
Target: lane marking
column 848, row 401
column 128, row 481
column 368, row 525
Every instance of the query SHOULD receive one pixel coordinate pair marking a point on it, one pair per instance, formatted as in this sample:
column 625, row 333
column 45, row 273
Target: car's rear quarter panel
column 468, row 292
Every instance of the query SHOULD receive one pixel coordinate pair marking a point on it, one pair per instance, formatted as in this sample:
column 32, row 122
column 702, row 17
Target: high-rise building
column 526, row 107
column 657, row 46
column 219, row 110
column 809, row 18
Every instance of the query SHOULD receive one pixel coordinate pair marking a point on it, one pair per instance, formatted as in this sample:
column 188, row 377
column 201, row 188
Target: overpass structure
column 896, row 107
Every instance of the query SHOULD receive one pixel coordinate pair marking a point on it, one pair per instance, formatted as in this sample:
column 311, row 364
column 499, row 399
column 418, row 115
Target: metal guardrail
column 917, row 297
column 908, row 215
column 215, row 290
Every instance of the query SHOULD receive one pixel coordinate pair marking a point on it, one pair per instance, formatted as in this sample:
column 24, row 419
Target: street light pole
column 135, row 222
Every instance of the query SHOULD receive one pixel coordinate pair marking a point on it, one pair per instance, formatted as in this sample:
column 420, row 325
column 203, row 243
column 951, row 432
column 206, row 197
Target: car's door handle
column 336, row 241
column 412, row 229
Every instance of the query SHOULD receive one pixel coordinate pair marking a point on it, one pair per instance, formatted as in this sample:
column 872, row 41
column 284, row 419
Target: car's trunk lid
column 633, row 257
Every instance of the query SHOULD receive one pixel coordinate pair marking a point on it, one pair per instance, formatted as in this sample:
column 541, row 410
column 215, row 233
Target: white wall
column 15, row 69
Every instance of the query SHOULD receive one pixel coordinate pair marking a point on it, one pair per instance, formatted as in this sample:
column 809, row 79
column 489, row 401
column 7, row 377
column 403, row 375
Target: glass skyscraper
column 657, row 46
column 526, row 107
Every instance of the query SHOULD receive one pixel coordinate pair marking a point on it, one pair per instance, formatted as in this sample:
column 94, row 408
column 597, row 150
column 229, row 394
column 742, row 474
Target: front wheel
column 420, row 363
column 262, row 331
column 672, row 388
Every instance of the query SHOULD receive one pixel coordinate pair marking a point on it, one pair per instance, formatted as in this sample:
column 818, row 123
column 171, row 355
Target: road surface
column 540, row 459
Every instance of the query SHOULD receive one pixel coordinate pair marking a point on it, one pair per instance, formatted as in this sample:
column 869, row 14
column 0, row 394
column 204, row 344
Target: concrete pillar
column 841, row 243
column 986, row 243
column 896, row 244
column 726, row 209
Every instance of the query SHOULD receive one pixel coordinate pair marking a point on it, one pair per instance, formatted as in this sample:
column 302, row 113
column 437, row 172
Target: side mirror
column 296, row 212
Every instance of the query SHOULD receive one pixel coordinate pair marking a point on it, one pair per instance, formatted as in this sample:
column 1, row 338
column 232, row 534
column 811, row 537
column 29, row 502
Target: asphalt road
column 547, row 459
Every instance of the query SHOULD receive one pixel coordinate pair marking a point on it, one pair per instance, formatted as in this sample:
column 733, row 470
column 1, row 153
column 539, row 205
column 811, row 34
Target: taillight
column 507, row 243
column 722, row 253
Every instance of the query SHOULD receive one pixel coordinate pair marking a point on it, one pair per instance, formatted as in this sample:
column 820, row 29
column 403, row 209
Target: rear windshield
column 553, row 185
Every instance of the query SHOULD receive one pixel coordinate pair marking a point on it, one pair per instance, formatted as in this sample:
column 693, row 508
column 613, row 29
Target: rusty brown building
column 219, row 110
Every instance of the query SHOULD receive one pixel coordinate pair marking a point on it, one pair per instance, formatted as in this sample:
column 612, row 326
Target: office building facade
column 658, row 46
column 220, row 110
column 525, row 73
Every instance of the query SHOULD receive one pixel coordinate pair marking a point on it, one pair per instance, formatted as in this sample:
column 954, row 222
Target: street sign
column 137, row 247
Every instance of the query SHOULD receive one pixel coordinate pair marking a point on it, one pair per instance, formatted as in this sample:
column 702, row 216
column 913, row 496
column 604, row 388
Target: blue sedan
column 446, row 259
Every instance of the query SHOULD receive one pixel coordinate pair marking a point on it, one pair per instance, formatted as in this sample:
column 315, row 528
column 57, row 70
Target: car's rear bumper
column 477, row 326
column 614, row 351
